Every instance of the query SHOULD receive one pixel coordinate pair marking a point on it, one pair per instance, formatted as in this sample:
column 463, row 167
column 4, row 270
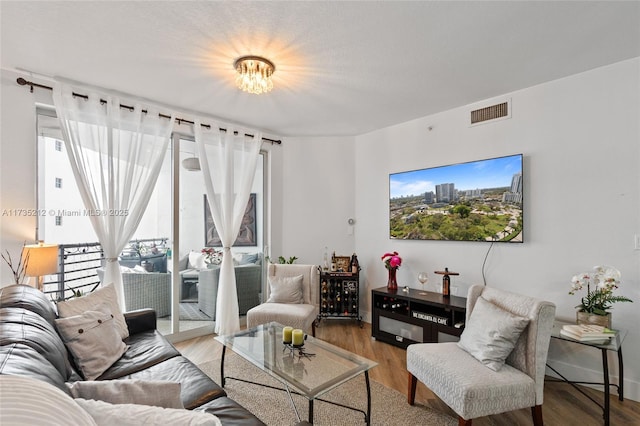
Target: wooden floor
column 563, row 406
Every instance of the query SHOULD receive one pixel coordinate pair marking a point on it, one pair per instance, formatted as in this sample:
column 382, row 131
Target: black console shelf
column 402, row 318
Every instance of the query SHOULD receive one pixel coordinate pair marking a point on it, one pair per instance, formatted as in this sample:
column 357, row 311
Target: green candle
column 286, row 334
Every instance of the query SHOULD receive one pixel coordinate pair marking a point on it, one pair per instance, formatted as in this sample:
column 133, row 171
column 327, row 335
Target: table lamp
column 42, row 260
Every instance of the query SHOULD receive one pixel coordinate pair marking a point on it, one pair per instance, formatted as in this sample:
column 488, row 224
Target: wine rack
column 340, row 296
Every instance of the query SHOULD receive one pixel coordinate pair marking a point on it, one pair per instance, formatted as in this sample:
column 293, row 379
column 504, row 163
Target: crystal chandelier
column 254, row 74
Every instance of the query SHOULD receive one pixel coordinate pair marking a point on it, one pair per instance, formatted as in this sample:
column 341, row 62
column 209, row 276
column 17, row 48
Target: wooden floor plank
column 563, row 405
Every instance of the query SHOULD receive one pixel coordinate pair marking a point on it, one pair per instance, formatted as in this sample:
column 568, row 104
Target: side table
column 614, row 345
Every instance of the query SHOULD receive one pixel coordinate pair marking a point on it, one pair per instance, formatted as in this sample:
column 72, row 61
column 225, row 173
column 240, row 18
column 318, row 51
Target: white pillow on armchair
column 196, row 260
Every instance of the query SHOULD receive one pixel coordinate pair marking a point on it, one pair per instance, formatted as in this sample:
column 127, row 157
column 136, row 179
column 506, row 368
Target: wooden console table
column 614, row 345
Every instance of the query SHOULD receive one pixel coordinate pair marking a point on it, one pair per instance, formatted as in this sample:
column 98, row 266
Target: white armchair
column 297, row 315
column 470, row 387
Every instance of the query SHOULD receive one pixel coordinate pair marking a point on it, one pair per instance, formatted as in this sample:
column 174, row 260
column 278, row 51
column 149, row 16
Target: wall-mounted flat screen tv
column 475, row 201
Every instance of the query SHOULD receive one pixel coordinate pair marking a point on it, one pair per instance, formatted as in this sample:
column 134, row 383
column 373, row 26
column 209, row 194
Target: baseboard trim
column 574, row 372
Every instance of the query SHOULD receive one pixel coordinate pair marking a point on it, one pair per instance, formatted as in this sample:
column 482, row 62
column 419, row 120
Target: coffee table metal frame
column 310, row 371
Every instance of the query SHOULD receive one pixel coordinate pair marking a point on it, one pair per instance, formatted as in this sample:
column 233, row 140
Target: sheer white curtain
column 228, row 165
column 116, row 155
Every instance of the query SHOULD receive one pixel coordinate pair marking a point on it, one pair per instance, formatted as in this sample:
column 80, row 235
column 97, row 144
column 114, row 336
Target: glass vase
column 588, row 318
column 392, row 284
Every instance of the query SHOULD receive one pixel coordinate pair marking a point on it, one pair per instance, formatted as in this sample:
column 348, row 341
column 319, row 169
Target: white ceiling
column 342, row 68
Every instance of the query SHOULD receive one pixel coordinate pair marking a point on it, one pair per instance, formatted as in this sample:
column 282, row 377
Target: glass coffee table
column 310, row 371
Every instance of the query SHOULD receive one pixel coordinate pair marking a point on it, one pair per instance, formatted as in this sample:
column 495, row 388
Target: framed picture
column 343, row 263
column 247, row 234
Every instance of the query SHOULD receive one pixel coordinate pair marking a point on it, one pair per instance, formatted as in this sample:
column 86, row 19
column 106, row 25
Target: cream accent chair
column 303, row 315
column 469, row 387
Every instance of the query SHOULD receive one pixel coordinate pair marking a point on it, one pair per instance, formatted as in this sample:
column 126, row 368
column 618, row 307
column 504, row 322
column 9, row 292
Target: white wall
column 312, row 185
column 581, row 143
column 17, row 168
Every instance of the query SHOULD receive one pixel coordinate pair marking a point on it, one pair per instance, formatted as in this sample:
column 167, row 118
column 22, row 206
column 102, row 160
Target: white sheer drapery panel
column 228, row 165
column 116, row 155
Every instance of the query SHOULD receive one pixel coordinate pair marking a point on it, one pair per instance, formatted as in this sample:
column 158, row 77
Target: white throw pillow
column 196, row 260
column 491, row 333
column 79, row 305
column 237, row 258
column 106, row 414
column 145, row 392
column 285, row 289
column 29, row 401
column 93, row 340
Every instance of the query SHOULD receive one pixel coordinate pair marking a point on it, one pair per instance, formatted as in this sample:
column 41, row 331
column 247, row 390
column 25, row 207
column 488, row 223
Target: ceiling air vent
column 492, row 112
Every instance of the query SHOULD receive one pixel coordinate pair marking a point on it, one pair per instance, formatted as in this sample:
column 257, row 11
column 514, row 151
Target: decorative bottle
column 355, row 266
column 325, row 265
column 446, row 282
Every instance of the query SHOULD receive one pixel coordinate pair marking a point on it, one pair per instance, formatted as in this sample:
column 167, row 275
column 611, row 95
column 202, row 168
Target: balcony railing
column 78, row 264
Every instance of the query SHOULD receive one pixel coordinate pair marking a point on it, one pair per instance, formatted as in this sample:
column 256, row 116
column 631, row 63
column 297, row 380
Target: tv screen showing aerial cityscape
column 475, row 201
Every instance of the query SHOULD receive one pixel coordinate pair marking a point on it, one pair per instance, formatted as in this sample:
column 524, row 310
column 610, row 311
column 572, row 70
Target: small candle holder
column 297, row 348
column 292, row 346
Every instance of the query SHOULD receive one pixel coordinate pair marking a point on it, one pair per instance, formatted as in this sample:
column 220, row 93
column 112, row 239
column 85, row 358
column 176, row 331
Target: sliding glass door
column 199, row 251
column 173, row 253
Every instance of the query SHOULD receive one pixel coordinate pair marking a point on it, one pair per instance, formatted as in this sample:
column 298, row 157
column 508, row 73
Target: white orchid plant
column 600, row 285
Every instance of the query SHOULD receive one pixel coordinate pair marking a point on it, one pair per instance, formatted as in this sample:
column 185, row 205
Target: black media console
column 402, row 318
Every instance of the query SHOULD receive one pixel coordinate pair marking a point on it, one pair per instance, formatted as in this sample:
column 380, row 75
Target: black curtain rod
column 22, row 82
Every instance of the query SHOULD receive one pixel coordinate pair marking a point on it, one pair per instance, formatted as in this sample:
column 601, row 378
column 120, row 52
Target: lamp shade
column 42, row 259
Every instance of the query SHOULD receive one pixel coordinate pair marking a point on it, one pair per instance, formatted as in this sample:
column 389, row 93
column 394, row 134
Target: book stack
column 587, row 333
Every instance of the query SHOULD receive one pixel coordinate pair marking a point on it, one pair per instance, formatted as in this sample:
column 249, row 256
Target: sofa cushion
column 78, row 305
column 246, row 258
column 190, row 273
column 145, row 350
column 30, row 329
column 18, row 359
column 29, row 298
column 93, row 340
column 158, row 260
column 28, row 401
column 104, row 413
column 296, row 315
column 183, row 262
column 146, row 392
column 230, row 412
column 491, row 333
column 197, row 387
